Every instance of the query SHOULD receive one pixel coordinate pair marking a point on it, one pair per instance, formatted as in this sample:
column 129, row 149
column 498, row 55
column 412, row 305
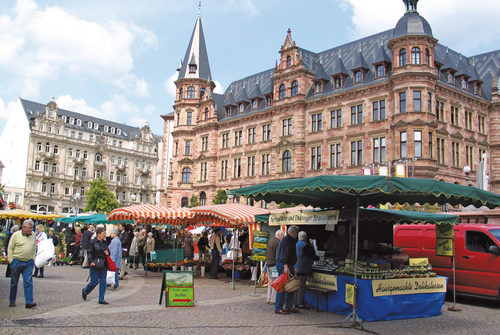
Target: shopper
column 115, row 251
column 85, row 244
column 271, row 264
column 142, row 247
column 13, row 229
column 303, row 267
column 126, row 240
column 76, row 246
column 134, row 251
column 150, row 245
column 40, row 236
column 286, row 257
column 216, row 251
column 21, row 255
column 203, row 246
column 188, row 252
column 97, row 265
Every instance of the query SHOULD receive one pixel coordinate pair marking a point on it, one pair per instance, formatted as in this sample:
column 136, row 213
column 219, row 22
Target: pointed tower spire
column 195, row 63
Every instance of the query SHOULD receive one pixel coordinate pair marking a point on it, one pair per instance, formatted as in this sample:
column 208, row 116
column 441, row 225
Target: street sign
column 180, row 296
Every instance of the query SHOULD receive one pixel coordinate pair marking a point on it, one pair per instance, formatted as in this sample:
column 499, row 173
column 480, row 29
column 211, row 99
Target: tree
column 99, row 198
column 194, row 201
column 220, row 197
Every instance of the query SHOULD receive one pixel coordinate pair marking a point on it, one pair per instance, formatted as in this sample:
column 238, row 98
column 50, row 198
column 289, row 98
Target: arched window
column 186, row 175
column 203, row 199
column 427, row 56
column 288, row 61
column 295, row 88
column 282, row 91
column 287, row 161
column 415, row 55
column 402, row 57
column 191, row 92
column 181, row 92
column 98, row 157
column 184, row 202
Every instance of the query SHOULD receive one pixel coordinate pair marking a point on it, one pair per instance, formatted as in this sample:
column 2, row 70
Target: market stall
column 341, row 192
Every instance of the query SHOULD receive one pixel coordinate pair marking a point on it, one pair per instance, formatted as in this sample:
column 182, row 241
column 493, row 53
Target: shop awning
column 394, row 216
column 22, row 214
column 150, row 214
column 92, row 219
column 226, row 215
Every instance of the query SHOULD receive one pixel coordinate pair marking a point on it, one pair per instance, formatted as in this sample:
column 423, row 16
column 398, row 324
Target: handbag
column 292, row 284
column 111, row 264
column 100, row 263
column 279, row 282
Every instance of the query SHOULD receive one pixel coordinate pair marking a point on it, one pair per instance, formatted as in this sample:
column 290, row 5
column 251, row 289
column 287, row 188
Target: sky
column 117, row 59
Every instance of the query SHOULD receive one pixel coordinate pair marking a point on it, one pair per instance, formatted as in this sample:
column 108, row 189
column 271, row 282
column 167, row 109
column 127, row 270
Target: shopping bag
column 292, row 284
column 111, row 263
column 279, row 282
column 44, row 253
column 110, row 278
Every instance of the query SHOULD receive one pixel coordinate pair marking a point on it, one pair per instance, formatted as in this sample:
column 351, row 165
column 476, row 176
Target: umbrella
column 336, row 191
column 150, row 214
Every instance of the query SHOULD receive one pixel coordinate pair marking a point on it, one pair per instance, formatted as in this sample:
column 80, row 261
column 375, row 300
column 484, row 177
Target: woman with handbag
column 286, row 257
column 115, row 251
column 98, row 268
column 303, row 267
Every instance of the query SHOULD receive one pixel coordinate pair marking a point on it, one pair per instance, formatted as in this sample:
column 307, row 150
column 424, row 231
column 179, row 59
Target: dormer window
column 191, row 92
column 71, row 120
column 96, row 126
column 402, row 57
column 295, row 88
column 464, row 83
column 380, row 70
column 288, row 62
column 79, row 122
column 438, row 70
column 358, row 76
column 282, row 91
column 241, row 108
column 337, row 81
column 65, row 118
column 269, row 100
column 192, row 68
column 113, row 130
column 89, row 125
column 254, row 104
column 106, row 129
column 228, row 111
column 317, row 87
column 415, row 55
column 118, row 131
column 451, row 77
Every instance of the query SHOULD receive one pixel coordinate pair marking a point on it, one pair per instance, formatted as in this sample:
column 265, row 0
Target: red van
column 477, row 253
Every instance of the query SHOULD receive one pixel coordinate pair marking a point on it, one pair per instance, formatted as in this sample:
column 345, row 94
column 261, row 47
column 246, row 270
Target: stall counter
column 387, row 306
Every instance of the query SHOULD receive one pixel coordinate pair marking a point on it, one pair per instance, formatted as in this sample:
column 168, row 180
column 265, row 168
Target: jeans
column 25, row 268
column 282, row 297
column 142, row 254
column 41, row 271
column 215, row 263
column 97, row 277
column 117, row 275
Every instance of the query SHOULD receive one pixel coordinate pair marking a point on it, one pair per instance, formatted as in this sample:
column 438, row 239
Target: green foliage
column 193, row 202
column 220, row 197
column 285, row 205
column 99, row 198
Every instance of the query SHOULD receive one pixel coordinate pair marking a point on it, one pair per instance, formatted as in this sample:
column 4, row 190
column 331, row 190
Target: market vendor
column 338, row 243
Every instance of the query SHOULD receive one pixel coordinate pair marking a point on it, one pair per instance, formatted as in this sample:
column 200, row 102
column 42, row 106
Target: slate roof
column 33, row 109
column 196, row 54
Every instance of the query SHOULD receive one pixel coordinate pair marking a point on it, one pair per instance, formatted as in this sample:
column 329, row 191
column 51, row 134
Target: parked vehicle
column 477, row 253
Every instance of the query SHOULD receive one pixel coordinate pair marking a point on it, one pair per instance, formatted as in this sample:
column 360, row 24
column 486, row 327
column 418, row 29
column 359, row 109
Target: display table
column 391, row 306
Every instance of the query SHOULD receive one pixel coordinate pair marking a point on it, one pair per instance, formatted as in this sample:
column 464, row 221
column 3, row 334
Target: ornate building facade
column 394, row 97
column 68, row 150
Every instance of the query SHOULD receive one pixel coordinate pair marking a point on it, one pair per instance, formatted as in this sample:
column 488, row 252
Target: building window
column 380, row 70
column 187, row 148
column 316, row 122
column 52, row 188
column 315, row 158
column 464, row 83
column 379, row 150
column 39, row 146
column 184, row 201
column 191, row 92
column 251, row 135
column 241, row 108
column 402, row 57
column 318, row 87
column 111, row 176
column 70, row 152
column 286, row 161
column 266, row 164
column 402, row 102
column 287, row 127
column 415, row 55
column 228, row 111
column 402, row 142
column 203, row 171
column 45, row 167
column 451, row 77
column 335, row 155
column 431, row 146
column 54, row 168
column 225, row 140
column 417, row 140
column 429, row 102
column 440, row 150
column 455, row 157
column 417, row 102
column 192, row 68
column 468, row 156
column 379, row 110
column 269, row 100
column 189, row 118
column 288, row 61
column 237, row 168
column 336, row 118
column 357, row 114
column 454, row 115
column 238, row 137
column 44, row 187
column 203, row 199
column 176, row 150
column 295, row 88
column 56, row 150
column 427, row 56
column 266, row 132
column 186, row 175
column 254, row 104
column 40, row 126
column 337, row 81
column 37, row 165
column 480, row 123
column 282, row 91
column 440, row 110
column 224, row 166
column 358, row 77
column 47, row 147
column 206, row 115
column 468, row 120
column 204, row 143
column 356, row 153
column 251, row 166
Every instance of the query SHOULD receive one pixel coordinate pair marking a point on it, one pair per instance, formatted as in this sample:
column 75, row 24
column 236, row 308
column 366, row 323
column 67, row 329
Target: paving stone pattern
column 134, row 309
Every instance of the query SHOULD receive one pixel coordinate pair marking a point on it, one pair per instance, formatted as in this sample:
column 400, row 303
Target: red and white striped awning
column 226, row 215
column 151, row 214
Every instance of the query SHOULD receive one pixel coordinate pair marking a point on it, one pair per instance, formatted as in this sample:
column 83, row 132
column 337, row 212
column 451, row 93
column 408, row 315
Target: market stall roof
column 93, row 219
column 22, row 214
column 335, row 191
column 150, row 214
column 397, row 216
column 226, row 215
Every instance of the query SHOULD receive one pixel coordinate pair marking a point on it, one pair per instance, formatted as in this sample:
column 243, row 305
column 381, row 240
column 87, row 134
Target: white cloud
column 49, row 43
column 457, row 23
column 6, row 110
column 76, row 105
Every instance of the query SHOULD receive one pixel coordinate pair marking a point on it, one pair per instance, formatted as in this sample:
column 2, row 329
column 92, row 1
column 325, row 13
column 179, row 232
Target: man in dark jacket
column 286, row 257
column 85, row 245
column 125, row 238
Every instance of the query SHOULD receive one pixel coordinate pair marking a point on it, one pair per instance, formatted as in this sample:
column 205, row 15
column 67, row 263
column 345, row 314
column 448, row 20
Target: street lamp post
column 76, row 196
column 466, row 170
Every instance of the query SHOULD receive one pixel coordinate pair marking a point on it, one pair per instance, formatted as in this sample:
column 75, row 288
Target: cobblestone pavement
column 134, row 309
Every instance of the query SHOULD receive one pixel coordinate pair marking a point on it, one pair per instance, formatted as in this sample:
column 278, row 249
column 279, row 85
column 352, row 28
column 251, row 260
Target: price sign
column 349, row 294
